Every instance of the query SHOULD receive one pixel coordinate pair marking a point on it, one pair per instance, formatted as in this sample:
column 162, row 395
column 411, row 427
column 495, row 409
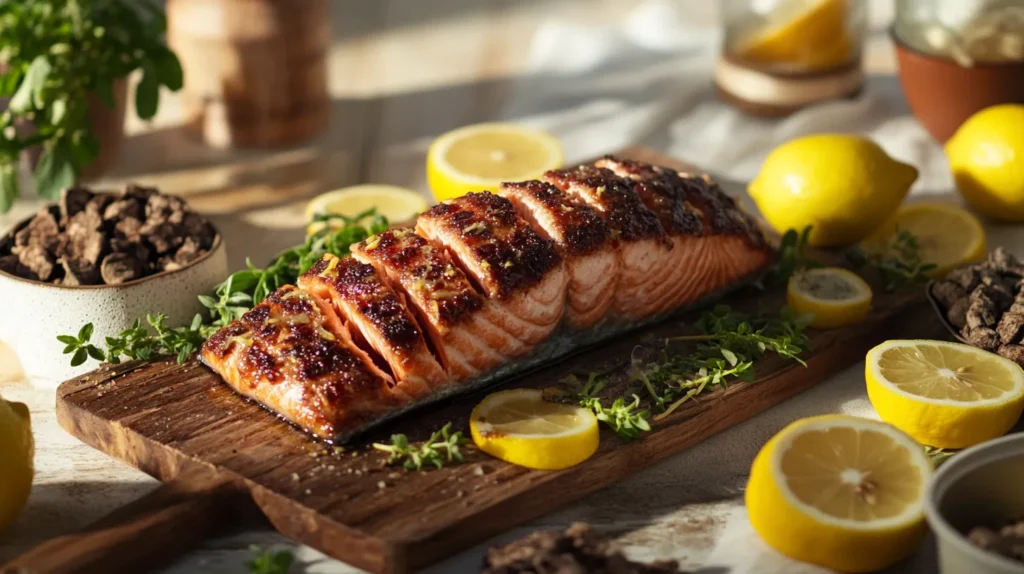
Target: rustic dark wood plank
column 177, row 421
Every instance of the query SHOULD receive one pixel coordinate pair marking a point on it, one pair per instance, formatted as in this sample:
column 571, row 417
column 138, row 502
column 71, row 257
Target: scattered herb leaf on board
column 725, row 350
column 792, row 258
column 230, row 300
column 442, row 446
column 270, row 562
column 898, row 261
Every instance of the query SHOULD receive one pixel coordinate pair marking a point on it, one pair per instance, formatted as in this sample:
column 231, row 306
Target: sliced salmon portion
column 518, row 271
column 581, row 237
column 644, row 252
column 378, row 321
column 455, row 318
column 292, row 354
column 714, row 242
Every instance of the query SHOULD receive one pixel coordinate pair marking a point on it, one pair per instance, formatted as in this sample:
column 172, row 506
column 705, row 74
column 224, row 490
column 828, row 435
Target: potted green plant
column 63, row 66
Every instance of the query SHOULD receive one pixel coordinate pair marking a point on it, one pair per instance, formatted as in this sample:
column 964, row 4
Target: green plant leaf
column 54, row 171
column 84, row 150
column 79, row 357
column 147, row 93
column 8, row 186
column 105, row 92
column 58, row 109
column 31, row 87
column 9, row 82
column 169, row 71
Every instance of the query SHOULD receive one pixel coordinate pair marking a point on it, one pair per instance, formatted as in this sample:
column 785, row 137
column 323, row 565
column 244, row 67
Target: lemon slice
column 840, row 491
column 944, row 394
column 948, row 236
column 835, row 296
column 480, row 157
column 807, row 34
column 398, row 204
column 520, row 427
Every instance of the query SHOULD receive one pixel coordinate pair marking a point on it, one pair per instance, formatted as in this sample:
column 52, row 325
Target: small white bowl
column 981, row 486
column 33, row 313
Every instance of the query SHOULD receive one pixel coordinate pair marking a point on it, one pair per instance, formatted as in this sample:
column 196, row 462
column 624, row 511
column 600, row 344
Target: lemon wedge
column 398, row 204
column 944, row 394
column 480, row 157
column 804, row 34
column 520, row 427
column 835, row 296
column 840, row 491
column 17, row 450
column 947, row 236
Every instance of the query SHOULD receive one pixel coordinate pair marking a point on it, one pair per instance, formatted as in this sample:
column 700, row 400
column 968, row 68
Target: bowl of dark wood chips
column 105, row 259
column 975, row 506
column 982, row 304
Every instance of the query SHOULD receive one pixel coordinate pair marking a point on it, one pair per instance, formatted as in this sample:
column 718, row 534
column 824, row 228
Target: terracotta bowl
column 34, row 313
column 942, row 94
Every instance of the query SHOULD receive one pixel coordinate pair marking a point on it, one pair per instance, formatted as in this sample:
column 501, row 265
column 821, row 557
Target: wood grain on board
column 181, row 424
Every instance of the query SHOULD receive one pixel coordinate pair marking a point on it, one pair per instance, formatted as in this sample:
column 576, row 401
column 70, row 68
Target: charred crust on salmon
column 663, row 191
column 426, row 273
column 510, row 253
column 583, row 230
column 613, row 197
column 359, row 285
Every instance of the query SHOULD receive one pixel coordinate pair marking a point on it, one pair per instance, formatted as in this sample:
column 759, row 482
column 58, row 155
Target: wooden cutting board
column 181, row 424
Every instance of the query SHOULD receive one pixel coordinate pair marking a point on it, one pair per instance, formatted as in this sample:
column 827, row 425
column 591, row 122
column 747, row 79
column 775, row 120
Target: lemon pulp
column 944, row 394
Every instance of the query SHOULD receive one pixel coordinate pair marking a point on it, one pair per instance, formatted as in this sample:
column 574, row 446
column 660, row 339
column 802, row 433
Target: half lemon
column 480, row 157
column 520, row 427
column 397, row 204
column 840, row 491
column 835, row 296
column 943, row 394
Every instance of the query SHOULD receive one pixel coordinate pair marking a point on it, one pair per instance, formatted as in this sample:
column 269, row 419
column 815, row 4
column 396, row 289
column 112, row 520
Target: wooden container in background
column 255, row 70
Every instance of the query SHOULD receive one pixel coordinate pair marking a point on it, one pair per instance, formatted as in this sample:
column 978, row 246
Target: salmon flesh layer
column 482, row 283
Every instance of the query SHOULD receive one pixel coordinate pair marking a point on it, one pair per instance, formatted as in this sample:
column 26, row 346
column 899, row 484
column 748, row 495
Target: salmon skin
column 487, row 287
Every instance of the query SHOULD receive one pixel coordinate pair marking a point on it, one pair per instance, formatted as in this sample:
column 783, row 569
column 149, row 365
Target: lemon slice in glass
column 835, row 296
column 947, row 235
column 809, row 34
column 480, row 157
column 840, row 491
column 520, row 427
column 944, row 394
column 398, row 204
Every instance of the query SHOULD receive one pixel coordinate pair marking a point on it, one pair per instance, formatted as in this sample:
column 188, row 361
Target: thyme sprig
column 725, row 350
column 793, row 257
column 230, row 300
column 898, row 261
column 938, row 455
column 442, row 446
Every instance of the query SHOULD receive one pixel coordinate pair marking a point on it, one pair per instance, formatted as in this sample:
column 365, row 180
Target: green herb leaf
column 54, row 171
column 147, row 93
column 29, row 94
column 79, row 357
column 8, row 186
column 270, row 562
column 169, row 71
column 442, row 446
column 105, row 92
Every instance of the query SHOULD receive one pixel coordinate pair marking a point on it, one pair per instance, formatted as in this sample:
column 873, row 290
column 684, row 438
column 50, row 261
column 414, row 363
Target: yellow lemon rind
column 806, row 534
column 943, row 423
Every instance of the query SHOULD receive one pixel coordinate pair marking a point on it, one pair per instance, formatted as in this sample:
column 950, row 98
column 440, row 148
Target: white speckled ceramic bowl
column 33, row 313
column 981, row 486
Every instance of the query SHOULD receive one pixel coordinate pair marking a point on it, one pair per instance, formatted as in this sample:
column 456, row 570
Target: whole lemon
column 844, row 186
column 16, row 453
column 986, row 155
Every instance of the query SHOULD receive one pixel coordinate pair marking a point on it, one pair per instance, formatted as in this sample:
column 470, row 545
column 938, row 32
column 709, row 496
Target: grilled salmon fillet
column 377, row 321
column 518, row 271
column 450, row 311
column 644, row 253
column 292, row 354
column 483, row 280
column 713, row 242
column 583, row 240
